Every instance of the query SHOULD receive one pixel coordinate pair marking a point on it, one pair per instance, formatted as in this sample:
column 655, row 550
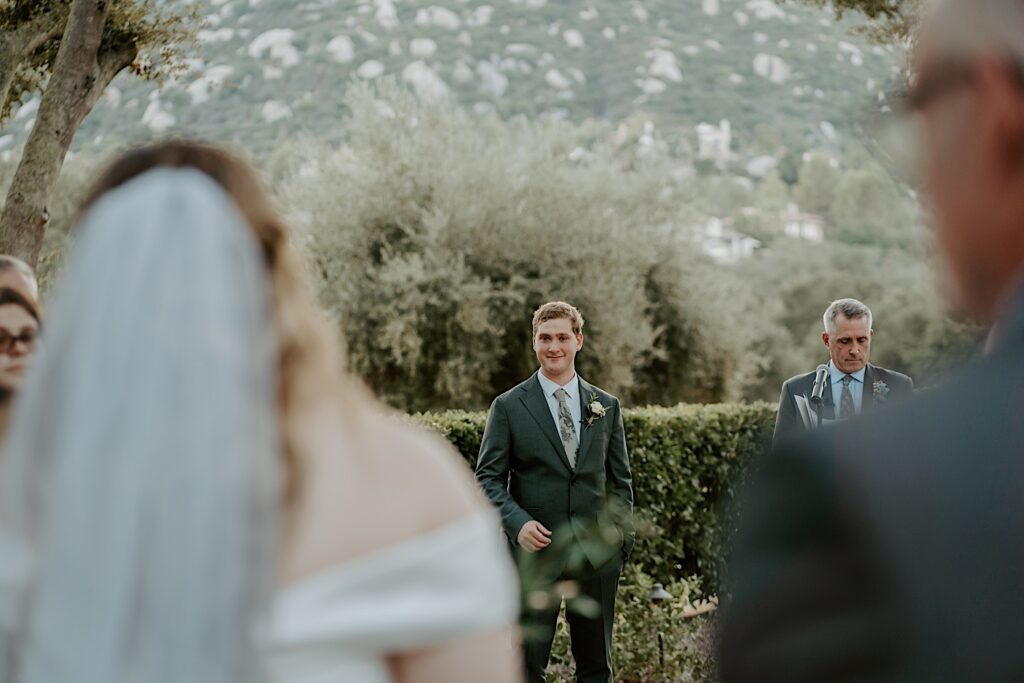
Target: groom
column 553, row 460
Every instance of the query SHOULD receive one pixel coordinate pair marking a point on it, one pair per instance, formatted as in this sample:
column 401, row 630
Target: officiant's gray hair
column 851, row 310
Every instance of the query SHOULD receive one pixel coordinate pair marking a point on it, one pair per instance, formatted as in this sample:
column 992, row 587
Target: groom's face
column 850, row 346
column 556, row 346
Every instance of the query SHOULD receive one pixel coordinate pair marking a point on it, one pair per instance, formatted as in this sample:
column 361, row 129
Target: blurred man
column 893, row 548
column 18, row 275
column 852, row 384
column 553, row 460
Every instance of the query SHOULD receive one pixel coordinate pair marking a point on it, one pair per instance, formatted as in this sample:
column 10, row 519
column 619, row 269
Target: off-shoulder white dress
column 340, row 625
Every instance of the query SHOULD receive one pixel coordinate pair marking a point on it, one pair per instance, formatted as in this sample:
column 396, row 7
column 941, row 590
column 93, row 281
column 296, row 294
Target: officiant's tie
column 566, row 430
column 846, row 409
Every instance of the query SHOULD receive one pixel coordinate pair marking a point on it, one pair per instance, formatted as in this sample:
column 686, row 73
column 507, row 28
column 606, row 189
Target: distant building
column 803, row 226
column 715, row 142
column 723, row 244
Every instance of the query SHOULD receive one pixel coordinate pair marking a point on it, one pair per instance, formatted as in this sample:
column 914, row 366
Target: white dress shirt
column 572, row 389
column 856, row 387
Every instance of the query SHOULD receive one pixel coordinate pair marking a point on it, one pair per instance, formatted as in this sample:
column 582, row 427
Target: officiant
column 851, row 384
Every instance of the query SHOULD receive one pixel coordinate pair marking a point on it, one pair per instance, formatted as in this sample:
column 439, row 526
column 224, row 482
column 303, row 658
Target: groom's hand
column 534, row 536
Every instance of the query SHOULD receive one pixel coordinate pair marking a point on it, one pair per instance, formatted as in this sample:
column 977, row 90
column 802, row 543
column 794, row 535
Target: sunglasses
column 8, row 341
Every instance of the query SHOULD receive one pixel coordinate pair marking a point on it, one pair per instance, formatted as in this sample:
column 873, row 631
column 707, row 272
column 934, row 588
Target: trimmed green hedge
column 685, row 460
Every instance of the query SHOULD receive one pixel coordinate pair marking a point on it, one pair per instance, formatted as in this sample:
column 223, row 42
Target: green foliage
column 913, row 333
column 817, row 185
column 686, row 643
column 436, row 233
column 160, row 36
column 869, row 209
column 686, row 462
column 888, row 21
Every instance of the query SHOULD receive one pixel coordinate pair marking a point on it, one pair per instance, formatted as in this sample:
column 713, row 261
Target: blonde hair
column 555, row 310
column 310, row 356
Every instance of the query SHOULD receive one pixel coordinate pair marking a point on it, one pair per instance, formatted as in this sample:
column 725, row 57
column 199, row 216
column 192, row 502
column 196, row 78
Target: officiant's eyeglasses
column 8, row 341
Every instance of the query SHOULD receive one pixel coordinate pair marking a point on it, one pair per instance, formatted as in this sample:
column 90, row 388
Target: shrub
column 435, row 233
column 685, row 653
column 686, row 462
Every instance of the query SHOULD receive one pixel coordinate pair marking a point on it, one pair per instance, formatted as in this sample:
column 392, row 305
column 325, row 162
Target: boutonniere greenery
column 595, row 410
column 881, row 390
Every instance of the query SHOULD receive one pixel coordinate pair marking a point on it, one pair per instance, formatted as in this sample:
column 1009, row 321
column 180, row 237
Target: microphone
column 819, row 384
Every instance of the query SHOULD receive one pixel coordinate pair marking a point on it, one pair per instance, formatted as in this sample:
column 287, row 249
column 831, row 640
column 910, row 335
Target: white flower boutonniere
column 880, row 390
column 595, row 410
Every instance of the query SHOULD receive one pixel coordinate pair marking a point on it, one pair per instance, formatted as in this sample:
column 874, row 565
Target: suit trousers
column 590, row 634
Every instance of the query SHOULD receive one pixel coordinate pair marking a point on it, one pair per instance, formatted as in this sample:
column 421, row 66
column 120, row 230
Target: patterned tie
column 566, row 430
column 846, row 409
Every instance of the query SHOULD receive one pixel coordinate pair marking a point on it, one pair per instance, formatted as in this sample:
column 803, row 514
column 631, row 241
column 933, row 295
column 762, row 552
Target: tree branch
column 17, row 44
column 109, row 64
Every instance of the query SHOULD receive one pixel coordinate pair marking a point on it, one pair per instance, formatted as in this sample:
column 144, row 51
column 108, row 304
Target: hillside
column 270, row 70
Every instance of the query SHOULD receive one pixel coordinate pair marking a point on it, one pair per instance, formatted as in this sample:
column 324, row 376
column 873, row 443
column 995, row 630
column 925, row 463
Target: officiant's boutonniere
column 595, row 410
column 881, row 390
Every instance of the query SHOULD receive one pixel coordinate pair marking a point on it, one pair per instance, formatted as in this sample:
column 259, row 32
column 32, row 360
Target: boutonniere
column 880, row 390
column 595, row 410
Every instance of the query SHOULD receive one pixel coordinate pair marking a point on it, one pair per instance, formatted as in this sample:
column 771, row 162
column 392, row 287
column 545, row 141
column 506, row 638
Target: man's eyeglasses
column 945, row 77
column 894, row 133
column 27, row 339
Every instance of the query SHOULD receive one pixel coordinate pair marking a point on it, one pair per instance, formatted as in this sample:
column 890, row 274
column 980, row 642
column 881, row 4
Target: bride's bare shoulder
column 370, row 481
column 421, row 468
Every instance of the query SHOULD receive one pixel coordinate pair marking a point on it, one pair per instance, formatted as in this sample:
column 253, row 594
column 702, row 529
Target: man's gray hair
column 967, row 27
column 851, row 309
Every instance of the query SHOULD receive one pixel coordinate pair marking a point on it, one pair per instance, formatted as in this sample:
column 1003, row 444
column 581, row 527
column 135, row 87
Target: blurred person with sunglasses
column 19, row 332
column 891, row 548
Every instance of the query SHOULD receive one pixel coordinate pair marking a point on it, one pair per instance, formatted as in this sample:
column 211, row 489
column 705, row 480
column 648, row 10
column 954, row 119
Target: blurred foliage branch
column 889, row 21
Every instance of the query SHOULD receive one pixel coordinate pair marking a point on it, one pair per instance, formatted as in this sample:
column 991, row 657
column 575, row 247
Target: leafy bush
column 653, row 643
column 685, row 461
column 435, row 233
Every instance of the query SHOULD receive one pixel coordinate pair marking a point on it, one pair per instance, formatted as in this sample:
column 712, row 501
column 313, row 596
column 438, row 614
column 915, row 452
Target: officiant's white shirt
column 572, row 390
column 856, row 387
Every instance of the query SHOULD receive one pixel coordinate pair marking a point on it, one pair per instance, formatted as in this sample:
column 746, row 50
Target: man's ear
column 579, row 341
column 871, row 334
column 825, row 339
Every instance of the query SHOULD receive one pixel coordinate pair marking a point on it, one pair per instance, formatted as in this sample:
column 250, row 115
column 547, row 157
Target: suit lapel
column 586, row 433
column 537, row 405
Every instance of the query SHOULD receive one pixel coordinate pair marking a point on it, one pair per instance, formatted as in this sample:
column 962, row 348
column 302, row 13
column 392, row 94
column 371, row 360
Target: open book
column 809, row 415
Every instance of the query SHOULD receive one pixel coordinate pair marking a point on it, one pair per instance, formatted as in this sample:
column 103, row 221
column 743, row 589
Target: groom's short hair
column 554, row 310
column 851, row 309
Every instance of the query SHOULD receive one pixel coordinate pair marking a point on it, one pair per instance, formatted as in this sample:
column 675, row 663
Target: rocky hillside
column 269, row 70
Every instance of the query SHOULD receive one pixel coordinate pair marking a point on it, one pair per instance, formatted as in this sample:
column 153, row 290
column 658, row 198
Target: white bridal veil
column 138, row 488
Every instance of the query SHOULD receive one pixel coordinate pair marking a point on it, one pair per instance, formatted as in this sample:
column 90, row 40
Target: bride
column 192, row 490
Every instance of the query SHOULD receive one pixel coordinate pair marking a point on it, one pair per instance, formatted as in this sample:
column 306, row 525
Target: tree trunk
column 67, row 99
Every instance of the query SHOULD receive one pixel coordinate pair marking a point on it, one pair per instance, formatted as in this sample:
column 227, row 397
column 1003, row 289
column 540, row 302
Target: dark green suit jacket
column 524, row 470
column 788, row 423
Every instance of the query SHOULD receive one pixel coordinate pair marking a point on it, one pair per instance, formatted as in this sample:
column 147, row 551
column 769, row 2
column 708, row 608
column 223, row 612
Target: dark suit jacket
column 524, row 470
column 890, row 547
column 788, row 423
